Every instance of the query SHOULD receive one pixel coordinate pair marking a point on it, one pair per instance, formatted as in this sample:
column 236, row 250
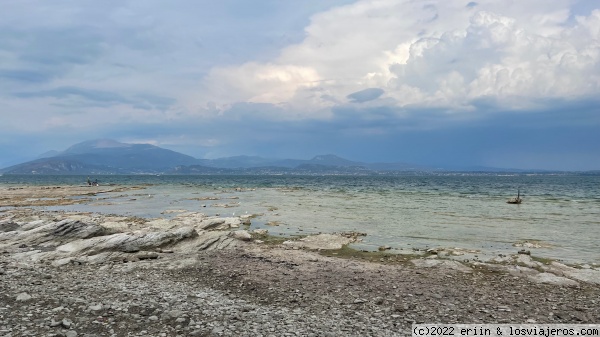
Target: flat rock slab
column 446, row 264
column 121, row 241
column 550, row 278
column 584, row 275
column 319, row 241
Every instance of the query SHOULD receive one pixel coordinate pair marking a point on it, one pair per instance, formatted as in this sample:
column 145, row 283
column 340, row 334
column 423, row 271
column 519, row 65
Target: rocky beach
column 90, row 274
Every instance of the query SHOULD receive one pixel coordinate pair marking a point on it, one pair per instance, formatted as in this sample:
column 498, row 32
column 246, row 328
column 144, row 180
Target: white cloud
column 426, row 53
column 243, row 77
column 259, row 83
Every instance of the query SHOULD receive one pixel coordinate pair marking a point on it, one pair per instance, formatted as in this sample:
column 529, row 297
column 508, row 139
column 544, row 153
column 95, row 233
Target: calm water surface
column 403, row 212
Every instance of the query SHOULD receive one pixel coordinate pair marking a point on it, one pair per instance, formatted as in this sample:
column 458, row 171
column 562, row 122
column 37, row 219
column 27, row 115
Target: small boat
column 516, row 200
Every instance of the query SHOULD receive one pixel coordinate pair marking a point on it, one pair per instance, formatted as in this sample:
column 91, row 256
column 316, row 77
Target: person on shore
column 89, row 181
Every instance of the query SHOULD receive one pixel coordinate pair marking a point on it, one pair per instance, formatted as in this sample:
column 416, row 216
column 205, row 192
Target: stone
column 96, row 307
column 217, row 223
column 23, row 297
column 320, row 241
column 66, row 323
column 147, row 256
column 242, row 235
column 583, row 275
column 261, row 231
column 117, row 242
column 62, row 262
column 130, row 249
column 550, row 278
column 446, row 264
column 176, row 313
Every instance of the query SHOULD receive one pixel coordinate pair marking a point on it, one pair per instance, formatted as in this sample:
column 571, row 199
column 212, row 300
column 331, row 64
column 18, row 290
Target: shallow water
column 404, row 212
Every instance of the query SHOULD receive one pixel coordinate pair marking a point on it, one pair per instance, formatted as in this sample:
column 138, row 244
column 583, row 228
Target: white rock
column 527, row 261
column 583, row 275
column 261, row 231
column 95, row 307
column 242, row 235
column 320, row 241
column 66, row 323
column 62, row 262
column 446, row 264
column 117, row 242
column 23, row 297
column 217, row 223
column 552, row 279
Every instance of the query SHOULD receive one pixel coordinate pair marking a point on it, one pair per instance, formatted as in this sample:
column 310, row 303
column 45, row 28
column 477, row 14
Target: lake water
column 403, row 212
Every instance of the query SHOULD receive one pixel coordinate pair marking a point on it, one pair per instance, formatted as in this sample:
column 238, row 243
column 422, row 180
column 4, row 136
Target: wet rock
column 246, row 219
column 261, row 231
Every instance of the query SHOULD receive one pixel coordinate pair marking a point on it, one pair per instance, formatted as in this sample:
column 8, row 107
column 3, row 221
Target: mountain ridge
column 107, row 156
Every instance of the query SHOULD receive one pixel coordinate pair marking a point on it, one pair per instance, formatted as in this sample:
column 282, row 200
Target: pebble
column 23, row 297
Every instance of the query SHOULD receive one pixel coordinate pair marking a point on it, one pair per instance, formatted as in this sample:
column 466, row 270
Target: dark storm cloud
column 365, row 95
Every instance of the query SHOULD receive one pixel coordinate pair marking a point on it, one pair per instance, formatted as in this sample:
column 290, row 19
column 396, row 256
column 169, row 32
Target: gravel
column 270, row 292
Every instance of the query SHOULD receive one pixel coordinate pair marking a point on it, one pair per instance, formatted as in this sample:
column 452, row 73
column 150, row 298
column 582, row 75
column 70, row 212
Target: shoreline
column 73, row 273
column 480, row 224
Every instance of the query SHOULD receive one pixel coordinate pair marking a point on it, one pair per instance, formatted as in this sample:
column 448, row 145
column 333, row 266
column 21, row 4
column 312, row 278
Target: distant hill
column 107, row 156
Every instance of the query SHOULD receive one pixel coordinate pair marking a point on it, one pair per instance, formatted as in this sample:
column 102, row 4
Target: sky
column 510, row 84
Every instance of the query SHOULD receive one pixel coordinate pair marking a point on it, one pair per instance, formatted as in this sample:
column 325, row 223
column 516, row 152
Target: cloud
column 443, row 54
column 80, row 97
column 90, row 95
column 365, row 95
column 397, row 78
column 27, row 76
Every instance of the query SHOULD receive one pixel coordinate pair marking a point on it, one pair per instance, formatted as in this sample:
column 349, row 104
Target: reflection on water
column 402, row 212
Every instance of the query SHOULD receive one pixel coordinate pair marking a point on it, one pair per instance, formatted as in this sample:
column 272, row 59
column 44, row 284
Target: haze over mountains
column 106, row 156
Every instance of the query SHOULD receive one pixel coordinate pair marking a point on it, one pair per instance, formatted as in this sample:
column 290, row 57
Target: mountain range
column 106, row 156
